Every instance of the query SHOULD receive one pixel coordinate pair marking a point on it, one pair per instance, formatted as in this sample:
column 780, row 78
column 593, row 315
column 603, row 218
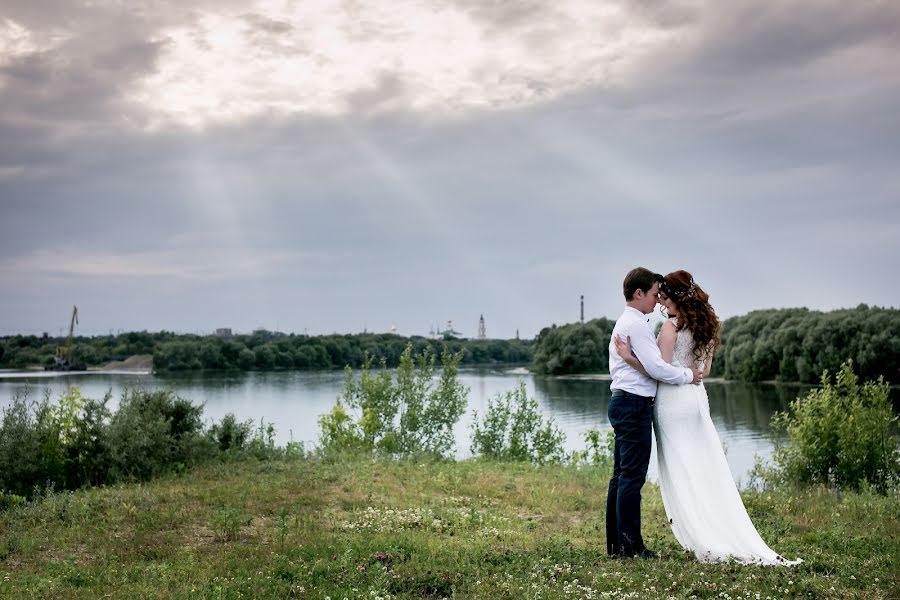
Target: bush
column 514, row 429
column 235, row 440
column 78, row 441
column 230, row 435
column 152, row 432
column 599, row 451
column 85, row 439
column 10, row 501
column 339, row 432
column 22, row 444
column 840, row 434
column 409, row 416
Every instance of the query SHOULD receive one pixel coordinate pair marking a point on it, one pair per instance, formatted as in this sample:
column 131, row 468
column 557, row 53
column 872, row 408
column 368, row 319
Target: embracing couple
column 660, row 381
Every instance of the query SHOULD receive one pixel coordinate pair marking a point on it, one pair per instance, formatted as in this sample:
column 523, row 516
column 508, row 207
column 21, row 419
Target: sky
column 346, row 166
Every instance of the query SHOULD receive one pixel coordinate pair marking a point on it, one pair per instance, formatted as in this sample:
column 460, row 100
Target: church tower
column 481, row 334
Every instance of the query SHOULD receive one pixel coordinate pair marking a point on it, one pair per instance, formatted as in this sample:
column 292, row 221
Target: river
column 293, row 400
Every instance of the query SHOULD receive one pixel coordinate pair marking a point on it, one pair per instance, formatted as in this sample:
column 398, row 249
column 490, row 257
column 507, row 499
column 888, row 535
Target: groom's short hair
column 639, row 278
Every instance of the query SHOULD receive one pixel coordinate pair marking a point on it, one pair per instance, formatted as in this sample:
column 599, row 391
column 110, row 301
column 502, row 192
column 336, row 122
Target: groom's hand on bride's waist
column 698, row 376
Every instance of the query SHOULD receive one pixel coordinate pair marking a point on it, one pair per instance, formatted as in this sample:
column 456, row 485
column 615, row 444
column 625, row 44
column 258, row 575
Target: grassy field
column 365, row 529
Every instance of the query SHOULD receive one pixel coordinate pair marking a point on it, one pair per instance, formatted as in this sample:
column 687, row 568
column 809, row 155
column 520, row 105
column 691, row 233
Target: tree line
column 573, row 348
column 261, row 351
column 798, row 344
column 791, row 344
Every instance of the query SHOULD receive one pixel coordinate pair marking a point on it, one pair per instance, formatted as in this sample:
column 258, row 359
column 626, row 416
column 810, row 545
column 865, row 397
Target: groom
column 631, row 412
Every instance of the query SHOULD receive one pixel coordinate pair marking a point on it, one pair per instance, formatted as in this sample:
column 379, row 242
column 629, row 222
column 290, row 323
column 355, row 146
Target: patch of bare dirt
column 138, row 362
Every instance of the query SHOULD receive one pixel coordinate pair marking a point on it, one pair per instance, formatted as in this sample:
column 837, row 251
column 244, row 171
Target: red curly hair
column 694, row 311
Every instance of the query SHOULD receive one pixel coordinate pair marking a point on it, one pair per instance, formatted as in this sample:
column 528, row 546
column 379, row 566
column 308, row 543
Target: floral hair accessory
column 679, row 292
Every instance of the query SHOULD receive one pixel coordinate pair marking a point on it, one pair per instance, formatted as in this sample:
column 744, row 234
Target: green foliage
column 263, row 350
column 339, row 432
column 78, row 441
column 514, row 429
column 794, row 344
column 600, row 447
column 229, row 434
column 840, row 434
column 227, row 523
column 406, row 416
column 8, row 501
column 573, row 348
column 44, row 443
column 797, row 344
column 151, row 432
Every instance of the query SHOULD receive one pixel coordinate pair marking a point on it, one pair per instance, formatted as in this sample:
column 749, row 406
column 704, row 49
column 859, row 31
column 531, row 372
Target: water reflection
column 741, row 413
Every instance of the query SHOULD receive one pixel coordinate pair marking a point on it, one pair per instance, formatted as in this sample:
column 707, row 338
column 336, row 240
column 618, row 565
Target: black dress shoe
column 645, row 553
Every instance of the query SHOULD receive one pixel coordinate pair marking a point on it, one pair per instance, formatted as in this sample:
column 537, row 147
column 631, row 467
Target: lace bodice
column 683, row 355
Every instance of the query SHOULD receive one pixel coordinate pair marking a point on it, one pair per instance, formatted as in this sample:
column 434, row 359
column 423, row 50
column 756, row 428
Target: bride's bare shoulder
column 668, row 331
column 669, row 326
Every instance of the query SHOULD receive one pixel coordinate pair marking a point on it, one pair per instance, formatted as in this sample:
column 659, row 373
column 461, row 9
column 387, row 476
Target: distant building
column 481, row 332
column 223, row 332
column 450, row 333
column 267, row 334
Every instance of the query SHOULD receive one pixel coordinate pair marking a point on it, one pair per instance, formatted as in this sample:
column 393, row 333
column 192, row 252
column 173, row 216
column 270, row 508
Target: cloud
column 317, row 59
column 197, row 264
column 430, row 161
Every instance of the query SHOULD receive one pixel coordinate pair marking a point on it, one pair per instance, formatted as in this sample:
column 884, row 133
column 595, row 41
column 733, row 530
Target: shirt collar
column 638, row 313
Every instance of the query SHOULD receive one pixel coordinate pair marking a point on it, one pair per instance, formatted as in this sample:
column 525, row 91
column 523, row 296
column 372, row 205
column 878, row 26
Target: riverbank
column 137, row 362
column 362, row 529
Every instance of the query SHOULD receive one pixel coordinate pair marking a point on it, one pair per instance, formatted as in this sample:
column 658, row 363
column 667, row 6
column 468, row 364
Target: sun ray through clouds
column 320, row 58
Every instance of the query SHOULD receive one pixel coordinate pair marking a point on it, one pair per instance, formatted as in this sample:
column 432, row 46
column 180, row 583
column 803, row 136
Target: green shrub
column 9, row 501
column 262, row 444
column 514, row 429
column 404, row 417
column 31, row 452
column 78, row 441
column 85, row 439
column 152, row 431
column 339, row 432
column 599, row 451
column 840, row 434
column 229, row 434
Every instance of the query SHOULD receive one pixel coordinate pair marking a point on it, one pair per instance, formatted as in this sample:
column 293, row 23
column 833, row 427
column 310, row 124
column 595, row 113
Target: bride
column 701, row 499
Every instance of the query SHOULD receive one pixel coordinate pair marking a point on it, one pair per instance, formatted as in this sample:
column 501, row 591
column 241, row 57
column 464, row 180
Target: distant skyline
column 334, row 167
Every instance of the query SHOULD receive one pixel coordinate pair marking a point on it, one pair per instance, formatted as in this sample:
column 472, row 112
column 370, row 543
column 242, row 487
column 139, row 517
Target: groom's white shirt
column 634, row 323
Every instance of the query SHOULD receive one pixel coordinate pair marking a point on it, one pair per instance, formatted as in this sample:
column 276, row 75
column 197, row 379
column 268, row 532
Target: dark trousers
column 631, row 417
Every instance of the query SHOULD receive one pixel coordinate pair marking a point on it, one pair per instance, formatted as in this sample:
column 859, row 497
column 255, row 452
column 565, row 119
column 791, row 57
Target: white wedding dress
column 701, row 499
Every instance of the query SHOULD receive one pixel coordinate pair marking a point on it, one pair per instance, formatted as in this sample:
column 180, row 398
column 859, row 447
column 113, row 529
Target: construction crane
column 62, row 361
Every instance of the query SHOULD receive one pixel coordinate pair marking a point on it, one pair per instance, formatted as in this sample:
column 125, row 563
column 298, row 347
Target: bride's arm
column 666, row 341
column 623, row 349
column 707, row 365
